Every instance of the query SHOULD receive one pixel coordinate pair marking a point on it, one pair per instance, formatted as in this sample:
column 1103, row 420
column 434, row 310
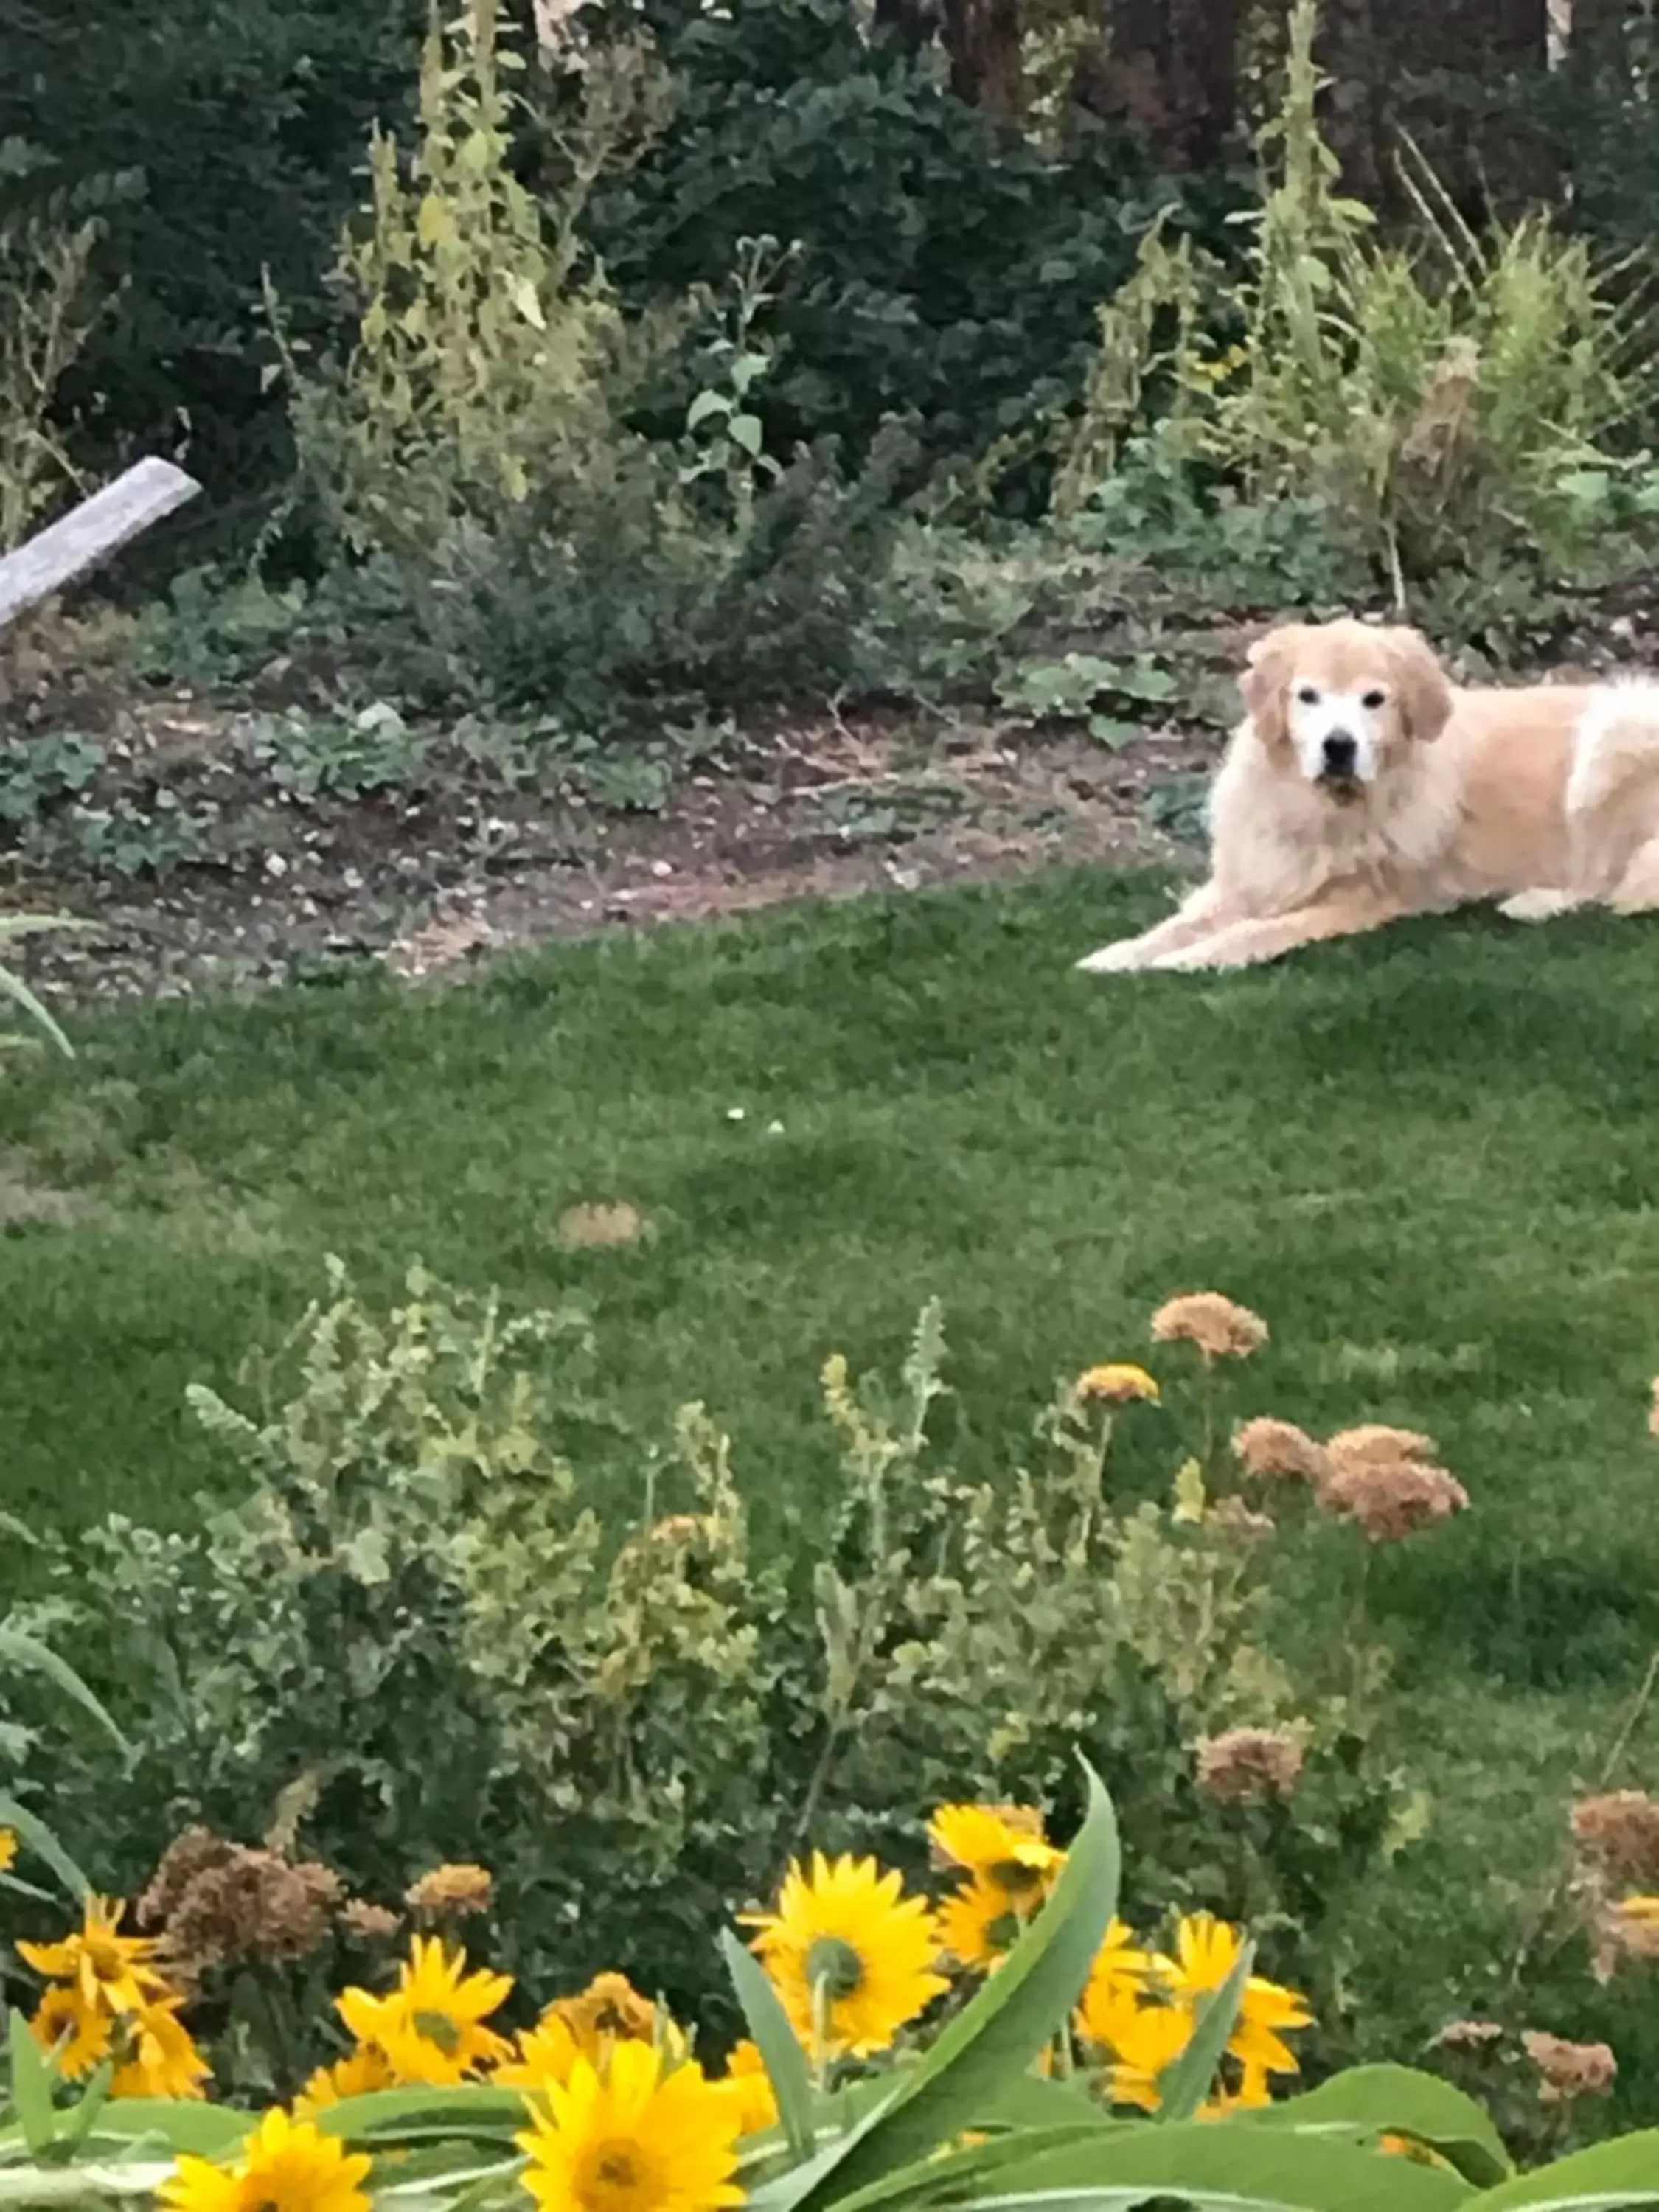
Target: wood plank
column 90, row 533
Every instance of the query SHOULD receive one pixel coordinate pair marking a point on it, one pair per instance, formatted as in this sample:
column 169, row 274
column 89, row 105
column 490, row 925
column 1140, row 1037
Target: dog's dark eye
column 1307, row 695
column 1373, row 699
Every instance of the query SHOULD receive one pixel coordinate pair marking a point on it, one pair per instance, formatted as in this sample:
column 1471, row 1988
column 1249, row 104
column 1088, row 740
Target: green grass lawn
column 1430, row 1159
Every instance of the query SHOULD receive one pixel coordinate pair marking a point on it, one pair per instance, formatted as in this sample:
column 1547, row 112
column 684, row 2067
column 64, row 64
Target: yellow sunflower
column 541, row 2055
column 1121, row 1975
column 8, row 1848
column 1011, row 1868
column 112, row 1971
column 431, row 2027
column 1206, row 1951
column 1142, row 2040
column 285, row 2165
column 77, row 2032
column 609, row 2010
column 359, row 2075
column 851, row 1956
column 161, row 2057
column 633, row 2138
column 746, row 2082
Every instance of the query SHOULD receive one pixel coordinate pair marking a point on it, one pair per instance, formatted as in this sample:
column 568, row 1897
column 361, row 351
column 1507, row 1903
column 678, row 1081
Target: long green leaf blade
column 1613, row 2177
column 780, row 2053
column 32, row 2078
column 24, row 1651
column 1375, row 2101
column 36, row 1836
column 384, row 2115
column 998, row 2035
column 173, row 2124
column 1219, row 2159
column 76, row 2124
column 1183, row 2086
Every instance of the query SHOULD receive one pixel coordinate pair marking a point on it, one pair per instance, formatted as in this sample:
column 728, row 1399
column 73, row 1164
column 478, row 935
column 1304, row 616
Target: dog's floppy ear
column 1264, row 682
column 1420, row 683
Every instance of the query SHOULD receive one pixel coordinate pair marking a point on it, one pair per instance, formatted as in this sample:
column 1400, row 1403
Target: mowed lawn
column 1430, row 1160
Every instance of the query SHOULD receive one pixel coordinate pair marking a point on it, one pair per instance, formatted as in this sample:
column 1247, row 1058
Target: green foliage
column 419, row 1614
column 25, row 1659
column 519, row 541
column 1445, row 401
column 944, row 269
column 482, row 365
column 56, row 816
column 234, row 127
column 963, row 2123
column 48, row 309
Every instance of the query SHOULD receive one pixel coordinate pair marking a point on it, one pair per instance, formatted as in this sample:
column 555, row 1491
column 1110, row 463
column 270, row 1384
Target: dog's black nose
column 1341, row 754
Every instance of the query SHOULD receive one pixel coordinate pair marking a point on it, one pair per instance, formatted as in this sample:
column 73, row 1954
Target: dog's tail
column 1617, row 745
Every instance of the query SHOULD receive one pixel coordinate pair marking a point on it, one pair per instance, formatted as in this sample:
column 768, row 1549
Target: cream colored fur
column 1542, row 797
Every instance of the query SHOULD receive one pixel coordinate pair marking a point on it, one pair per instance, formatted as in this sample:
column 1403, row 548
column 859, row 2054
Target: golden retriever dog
column 1363, row 785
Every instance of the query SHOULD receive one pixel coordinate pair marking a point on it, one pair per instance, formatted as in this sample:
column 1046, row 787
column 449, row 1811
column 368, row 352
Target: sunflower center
column 437, row 2027
column 1015, row 1879
column 833, row 1966
column 617, row 2174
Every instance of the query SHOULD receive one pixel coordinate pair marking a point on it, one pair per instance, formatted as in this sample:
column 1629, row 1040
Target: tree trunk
column 1200, row 72
column 1355, row 120
column 1476, row 37
column 1170, row 67
column 982, row 40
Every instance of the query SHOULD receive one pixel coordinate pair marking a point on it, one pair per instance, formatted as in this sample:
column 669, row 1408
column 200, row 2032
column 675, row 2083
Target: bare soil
column 424, row 876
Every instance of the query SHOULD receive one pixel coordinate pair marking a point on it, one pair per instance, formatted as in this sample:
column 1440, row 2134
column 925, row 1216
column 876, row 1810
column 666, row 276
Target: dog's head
column 1346, row 700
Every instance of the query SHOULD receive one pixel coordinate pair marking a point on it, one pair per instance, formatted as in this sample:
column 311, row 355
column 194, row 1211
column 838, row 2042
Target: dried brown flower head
column 609, row 2009
column 1374, row 1442
column 1567, row 2070
column 215, row 1903
column 370, row 1923
column 1246, row 1764
column 1280, row 1449
column 1391, row 1498
column 1233, row 1520
column 1618, row 1833
column 451, row 1893
column 1470, row 2034
column 620, row 1223
column 1221, row 1329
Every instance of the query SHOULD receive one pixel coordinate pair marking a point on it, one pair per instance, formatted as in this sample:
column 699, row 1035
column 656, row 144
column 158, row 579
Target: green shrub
column 1444, row 400
column 239, row 127
column 423, row 1618
column 48, row 310
column 503, row 534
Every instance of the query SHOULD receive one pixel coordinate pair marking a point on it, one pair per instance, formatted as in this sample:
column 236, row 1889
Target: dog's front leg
column 1244, row 943
column 1198, row 914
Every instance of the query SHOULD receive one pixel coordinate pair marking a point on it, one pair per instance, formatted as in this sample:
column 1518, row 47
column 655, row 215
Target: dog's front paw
column 1192, row 959
column 1123, row 958
column 1539, row 905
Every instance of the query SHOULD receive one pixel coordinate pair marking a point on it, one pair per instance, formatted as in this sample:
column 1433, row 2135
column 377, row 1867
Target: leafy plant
column 47, row 309
column 1442, row 399
column 21, row 1657
column 966, row 2118
column 419, row 1561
